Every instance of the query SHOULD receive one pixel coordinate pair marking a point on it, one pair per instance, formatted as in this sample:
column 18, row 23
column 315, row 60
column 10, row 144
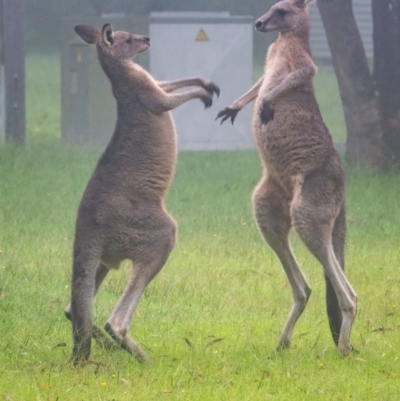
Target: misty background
column 44, row 17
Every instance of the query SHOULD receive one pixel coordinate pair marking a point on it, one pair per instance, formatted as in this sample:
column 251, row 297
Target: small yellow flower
column 103, row 384
column 113, row 375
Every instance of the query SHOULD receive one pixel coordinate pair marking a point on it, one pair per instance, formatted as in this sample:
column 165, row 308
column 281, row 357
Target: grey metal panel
column 224, row 18
column 226, row 58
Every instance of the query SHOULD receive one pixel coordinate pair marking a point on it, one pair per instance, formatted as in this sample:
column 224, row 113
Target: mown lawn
column 212, row 317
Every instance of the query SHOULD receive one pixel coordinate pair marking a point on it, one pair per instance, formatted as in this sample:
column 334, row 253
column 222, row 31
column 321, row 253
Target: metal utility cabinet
column 216, row 46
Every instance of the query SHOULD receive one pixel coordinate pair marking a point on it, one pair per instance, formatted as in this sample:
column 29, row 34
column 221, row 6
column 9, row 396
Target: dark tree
column 360, row 101
column 371, row 102
column 386, row 74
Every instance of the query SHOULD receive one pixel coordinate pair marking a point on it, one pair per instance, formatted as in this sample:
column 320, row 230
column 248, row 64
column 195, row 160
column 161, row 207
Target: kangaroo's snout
column 146, row 40
column 259, row 24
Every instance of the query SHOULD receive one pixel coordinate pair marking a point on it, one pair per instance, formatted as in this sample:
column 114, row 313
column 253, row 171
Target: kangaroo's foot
column 97, row 333
column 345, row 348
column 126, row 343
column 283, row 344
column 103, row 339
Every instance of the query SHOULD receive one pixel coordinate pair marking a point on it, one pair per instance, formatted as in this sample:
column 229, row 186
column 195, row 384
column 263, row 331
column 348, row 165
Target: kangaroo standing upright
column 303, row 179
column 122, row 213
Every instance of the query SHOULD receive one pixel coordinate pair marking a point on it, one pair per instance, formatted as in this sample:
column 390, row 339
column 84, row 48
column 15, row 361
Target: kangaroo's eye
column 281, row 13
column 129, row 41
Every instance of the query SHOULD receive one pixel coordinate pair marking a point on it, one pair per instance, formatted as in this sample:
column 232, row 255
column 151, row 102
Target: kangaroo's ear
column 87, row 33
column 107, row 34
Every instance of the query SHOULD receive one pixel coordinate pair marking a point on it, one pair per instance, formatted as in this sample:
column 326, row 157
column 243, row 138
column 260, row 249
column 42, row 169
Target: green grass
column 211, row 318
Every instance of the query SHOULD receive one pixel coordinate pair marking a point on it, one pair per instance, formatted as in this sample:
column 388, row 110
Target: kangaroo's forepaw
column 227, row 113
column 211, row 88
column 126, row 343
column 266, row 113
column 207, row 101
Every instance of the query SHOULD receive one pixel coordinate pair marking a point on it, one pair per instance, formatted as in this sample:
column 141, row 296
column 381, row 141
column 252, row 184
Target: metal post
column 13, row 68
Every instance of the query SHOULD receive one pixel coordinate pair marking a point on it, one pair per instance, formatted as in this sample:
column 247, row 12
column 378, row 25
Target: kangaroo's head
column 285, row 16
column 116, row 46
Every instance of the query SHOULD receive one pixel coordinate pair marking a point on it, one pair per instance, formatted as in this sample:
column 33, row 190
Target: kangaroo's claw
column 228, row 112
column 211, row 88
column 207, row 101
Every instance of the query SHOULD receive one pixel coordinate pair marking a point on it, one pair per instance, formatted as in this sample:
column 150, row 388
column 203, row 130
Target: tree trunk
column 360, row 103
column 386, row 17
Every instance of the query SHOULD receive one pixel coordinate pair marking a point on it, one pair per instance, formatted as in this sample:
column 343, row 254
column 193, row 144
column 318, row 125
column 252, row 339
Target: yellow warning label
column 202, row 36
column 78, row 57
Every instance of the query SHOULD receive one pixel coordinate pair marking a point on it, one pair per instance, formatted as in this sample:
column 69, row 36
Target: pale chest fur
column 276, row 68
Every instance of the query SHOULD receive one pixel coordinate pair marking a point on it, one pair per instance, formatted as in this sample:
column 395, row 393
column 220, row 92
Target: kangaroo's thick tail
column 332, row 304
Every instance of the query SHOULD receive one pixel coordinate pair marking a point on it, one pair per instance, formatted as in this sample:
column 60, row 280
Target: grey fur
column 122, row 213
column 303, row 179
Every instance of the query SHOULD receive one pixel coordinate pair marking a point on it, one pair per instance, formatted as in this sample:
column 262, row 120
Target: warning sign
column 202, row 36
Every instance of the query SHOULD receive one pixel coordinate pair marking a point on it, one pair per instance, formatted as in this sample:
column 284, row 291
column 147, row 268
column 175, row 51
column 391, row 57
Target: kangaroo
column 122, row 213
column 303, row 179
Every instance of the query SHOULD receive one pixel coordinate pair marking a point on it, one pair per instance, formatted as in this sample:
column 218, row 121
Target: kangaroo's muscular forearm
column 167, row 102
column 248, row 97
column 169, row 86
column 293, row 80
column 232, row 111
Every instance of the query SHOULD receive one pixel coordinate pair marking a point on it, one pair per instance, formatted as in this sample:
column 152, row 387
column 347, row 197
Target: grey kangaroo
column 303, row 179
column 122, row 213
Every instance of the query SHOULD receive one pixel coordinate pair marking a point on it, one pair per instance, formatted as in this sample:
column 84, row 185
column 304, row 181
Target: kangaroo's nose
column 146, row 38
column 258, row 24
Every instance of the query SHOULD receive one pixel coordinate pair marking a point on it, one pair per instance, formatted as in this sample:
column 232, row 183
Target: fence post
column 12, row 32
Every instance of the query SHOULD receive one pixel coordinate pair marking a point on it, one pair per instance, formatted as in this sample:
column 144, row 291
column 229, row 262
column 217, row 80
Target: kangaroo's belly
column 295, row 141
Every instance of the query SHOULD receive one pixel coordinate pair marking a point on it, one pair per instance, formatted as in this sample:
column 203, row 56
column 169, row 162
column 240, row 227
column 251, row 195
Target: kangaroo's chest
column 275, row 71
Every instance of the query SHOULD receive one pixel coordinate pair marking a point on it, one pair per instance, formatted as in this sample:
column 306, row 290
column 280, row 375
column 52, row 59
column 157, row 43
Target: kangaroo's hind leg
column 271, row 208
column 101, row 273
column 332, row 303
column 314, row 214
column 97, row 333
column 84, row 270
column 150, row 261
